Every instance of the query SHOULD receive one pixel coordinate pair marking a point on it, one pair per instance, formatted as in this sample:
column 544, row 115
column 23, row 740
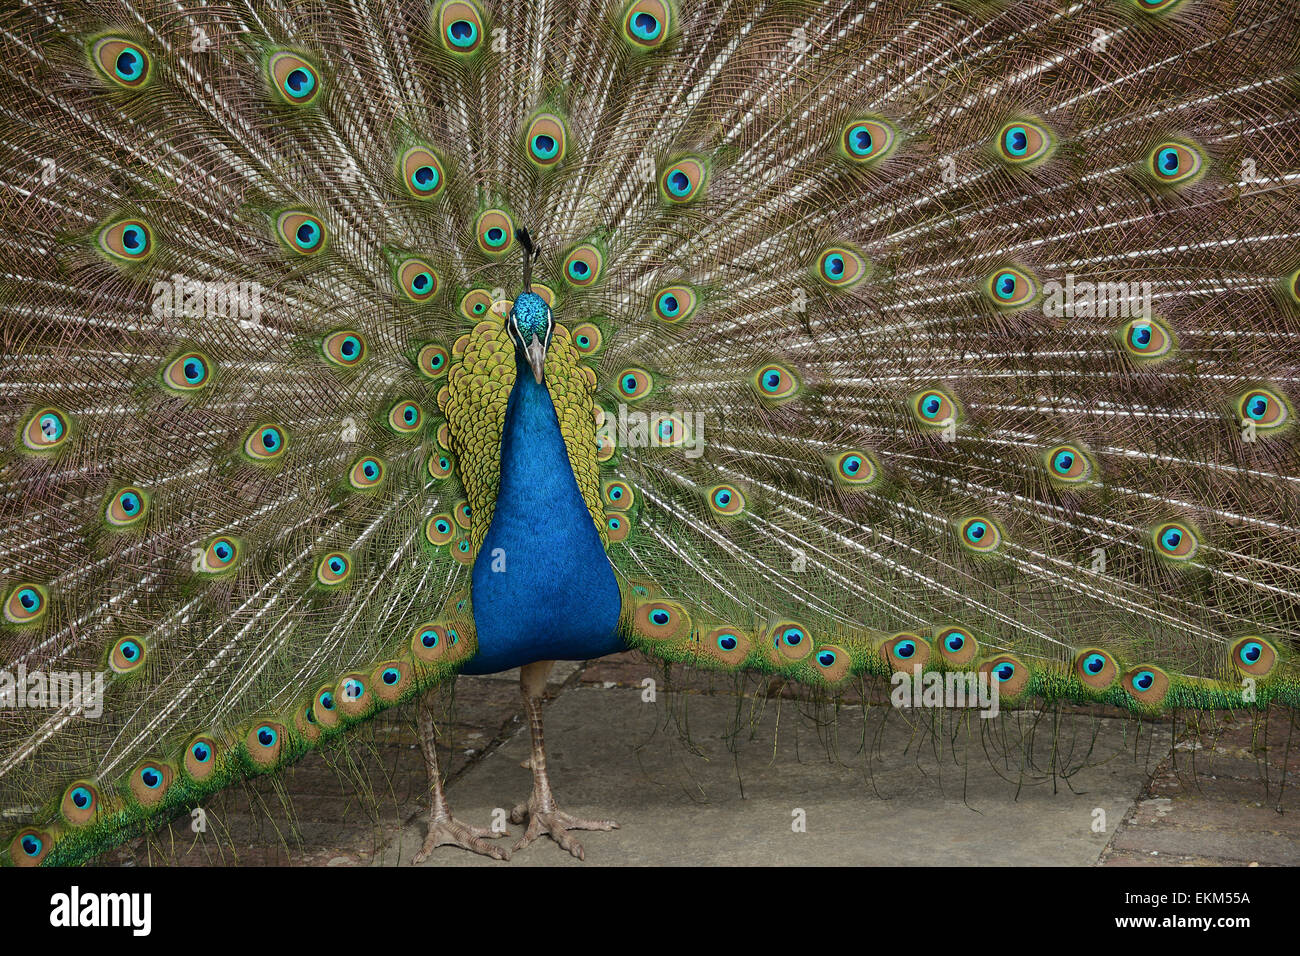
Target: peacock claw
column 450, row 831
column 556, row 824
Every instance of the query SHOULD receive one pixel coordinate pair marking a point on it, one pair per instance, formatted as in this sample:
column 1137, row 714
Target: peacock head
column 530, row 325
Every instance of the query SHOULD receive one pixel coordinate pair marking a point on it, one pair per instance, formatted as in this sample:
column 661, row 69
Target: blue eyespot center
column 1168, row 161
column 29, row 598
column 1094, row 664
column 1017, row 141
column 425, row 178
column 353, row 688
column 1143, row 680
column 462, row 33
column 792, row 636
column 1004, row 671
column 391, row 676
column 905, row 649
column 1006, row 285
column 32, row 845
column 679, row 184
column 1251, row 653
column 266, row 736
column 129, row 64
column 202, row 752
column 645, row 26
column 327, row 700
column 81, row 798
column 826, row 658
column 307, row 234
column 150, row 777
column 728, row 642
column 954, row 642
column 660, row 617
column 429, row 638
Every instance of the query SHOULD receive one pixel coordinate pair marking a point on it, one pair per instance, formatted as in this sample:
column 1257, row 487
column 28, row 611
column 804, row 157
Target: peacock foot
column 556, row 824
column 450, row 831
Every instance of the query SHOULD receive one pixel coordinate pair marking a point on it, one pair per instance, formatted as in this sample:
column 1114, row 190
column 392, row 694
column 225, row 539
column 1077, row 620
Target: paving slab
column 885, row 793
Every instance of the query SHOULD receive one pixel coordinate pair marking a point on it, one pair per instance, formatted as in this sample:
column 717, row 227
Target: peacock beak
column 536, row 353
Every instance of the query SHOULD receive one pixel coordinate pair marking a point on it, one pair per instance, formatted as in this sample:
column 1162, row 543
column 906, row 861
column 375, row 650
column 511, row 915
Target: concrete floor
column 876, row 789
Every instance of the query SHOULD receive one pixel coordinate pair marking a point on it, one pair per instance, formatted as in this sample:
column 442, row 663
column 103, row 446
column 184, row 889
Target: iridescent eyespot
column 1007, row 674
column 462, row 550
column 1011, row 288
column 854, row 468
column 1264, row 408
column 618, row 494
column 187, row 372
column 45, row 430
column 122, row 61
column 646, row 23
column 726, row 500
column 29, row 847
column 366, row 472
column 495, row 231
column 391, row 681
column 1148, row 685
column 421, row 172
column 634, row 383
column 1156, row 6
column 1068, row 464
column 264, row 742
column 1146, row 339
column 266, row 442
column 200, row 758
column 725, row 644
column 476, row 303
column 26, row 603
column 1254, row 656
column 668, row 430
column 417, row 279
column 150, row 782
column 1175, row 540
column 583, row 265
column 301, row 231
column 345, row 348
column 617, row 527
column 126, row 507
column 405, row 417
column 334, row 568
column 684, row 180
column 1175, row 164
column 867, row 140
column 775, row 383
column 460, row 27
column 127, row 655
column 676, row 303
column 1023, row 143
column 979, row 534
column 326, row 700
column 440, row 529
column 935, row 408
column 433, row 360
column 789, row 641
column 840, row 267
column 833, row 662
column 127, row 240
column 80, row 803
column 544, row 140
column 296, row 80
column 586, row 338
column 905, row 652
column 661, row 621
column 1095, row 668
column 439, row 465
column 221, row 554
column 956, row 645
column 352, row 689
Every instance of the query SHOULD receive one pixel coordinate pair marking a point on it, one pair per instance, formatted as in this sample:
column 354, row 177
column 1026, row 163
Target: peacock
column 350, row 345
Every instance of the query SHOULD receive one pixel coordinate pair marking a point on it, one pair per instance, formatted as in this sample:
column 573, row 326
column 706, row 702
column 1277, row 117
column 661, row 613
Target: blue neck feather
column 557, row 597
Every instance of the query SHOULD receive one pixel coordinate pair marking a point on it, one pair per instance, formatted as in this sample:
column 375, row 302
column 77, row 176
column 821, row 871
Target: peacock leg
column 443, row 827
column 540, row 811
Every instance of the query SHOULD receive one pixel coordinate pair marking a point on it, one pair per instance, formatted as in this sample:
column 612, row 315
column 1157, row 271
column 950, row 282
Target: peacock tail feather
column 908, row 333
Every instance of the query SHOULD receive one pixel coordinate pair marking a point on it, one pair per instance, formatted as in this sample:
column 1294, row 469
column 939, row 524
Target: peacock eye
column 127, row 655
column 934, row 407
column 545, row 138
column 460, row 27
column 1264, row 408
column 122, row 61
column 439, row 530
column 187, row 373
column 1175, row 540
column 326, row 700
column 792, row 636
column 433, row 360
column 684, row 180
column 904, row 649
column 301, row 231
column 1004, row 671
column 366, row 473
column 334, row 569
column 405, row 418
column 1175, row 164
column 587, row 338
column 266, row 443
column 421, row 172
column 677, row 303
column 583, row 265
column 867, row 140
column 840, row 267
column 854, row 469
column 390, row 676
column 726, row 500
column 634, row 383
column 496, row 232
column 775, row 383
column 353, row 688
column 201, row 752
column 344, row 348
column 1146, row 339
column 127, row 240
column 1023, row 143
column 980, row 534
column 1011, row 288
column 1068, row 464
column 266, row 736
column 429, row 638
column 646, row 23
column 954, row 641
column 475, row 303
column 296, row 80
column 26, row 603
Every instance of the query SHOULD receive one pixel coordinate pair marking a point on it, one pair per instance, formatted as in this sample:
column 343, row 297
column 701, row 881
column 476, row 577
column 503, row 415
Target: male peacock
column 861, row 336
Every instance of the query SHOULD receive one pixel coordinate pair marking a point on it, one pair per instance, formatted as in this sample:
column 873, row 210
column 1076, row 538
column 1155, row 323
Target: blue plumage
column 557, row 598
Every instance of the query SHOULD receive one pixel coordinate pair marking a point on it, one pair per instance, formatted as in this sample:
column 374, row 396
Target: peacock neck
column 543, row 587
